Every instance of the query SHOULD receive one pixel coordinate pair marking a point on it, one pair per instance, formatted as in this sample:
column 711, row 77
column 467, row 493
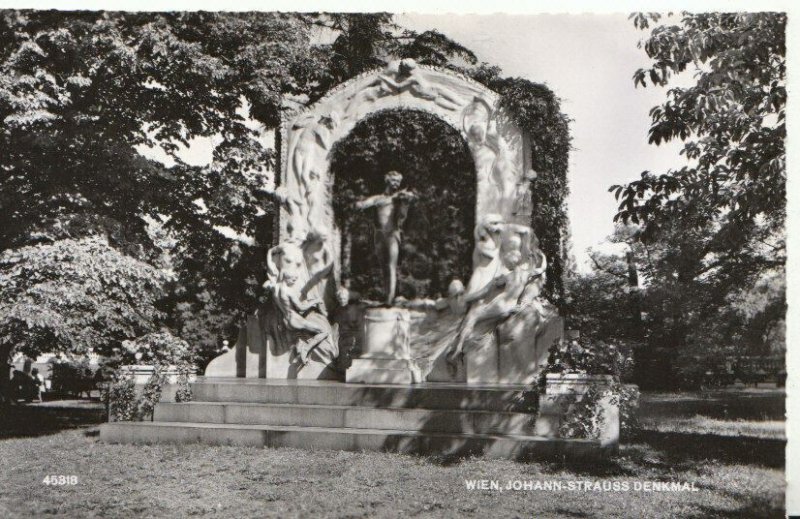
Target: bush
column 121, row 399
column 589, row 357
column 626, row 396
column 184, row 391
column 72, row 377
column 151, row 394
column 583, row 416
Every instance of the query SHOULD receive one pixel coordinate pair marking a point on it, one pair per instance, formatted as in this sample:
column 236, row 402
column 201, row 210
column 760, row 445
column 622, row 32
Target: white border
column 574, row 6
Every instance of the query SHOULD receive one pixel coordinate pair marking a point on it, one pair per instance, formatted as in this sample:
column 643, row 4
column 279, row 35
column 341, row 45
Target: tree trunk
column 5, row 374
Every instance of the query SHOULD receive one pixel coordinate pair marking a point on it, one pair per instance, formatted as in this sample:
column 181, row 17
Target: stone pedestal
column 564, row 390
column 386, row 355
column 247, row 358
column 513, row 354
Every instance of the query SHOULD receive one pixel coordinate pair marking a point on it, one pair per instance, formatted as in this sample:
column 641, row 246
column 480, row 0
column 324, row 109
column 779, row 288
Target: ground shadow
column 692, row 447
column 32, row 420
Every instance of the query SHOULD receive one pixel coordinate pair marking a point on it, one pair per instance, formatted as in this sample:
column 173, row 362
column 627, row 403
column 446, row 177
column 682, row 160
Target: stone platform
column 430, row 418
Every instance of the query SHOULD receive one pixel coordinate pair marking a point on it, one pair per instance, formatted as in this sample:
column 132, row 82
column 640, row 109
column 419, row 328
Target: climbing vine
column 537, row 111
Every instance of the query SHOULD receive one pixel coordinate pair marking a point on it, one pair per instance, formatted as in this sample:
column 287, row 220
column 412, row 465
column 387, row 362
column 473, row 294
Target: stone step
column 321, row 392
column 516, row 447
column 335, row 416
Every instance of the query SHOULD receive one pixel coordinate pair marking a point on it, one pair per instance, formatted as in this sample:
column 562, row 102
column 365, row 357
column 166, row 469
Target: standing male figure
column 391, row 210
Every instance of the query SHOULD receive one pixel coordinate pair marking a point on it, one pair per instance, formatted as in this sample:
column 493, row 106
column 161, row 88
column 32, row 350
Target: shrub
column 184, row 391
column 160, row 350
column 591, row 358
column 151, row 394
column 583, row 416
column 121, row 399
column 72, row 376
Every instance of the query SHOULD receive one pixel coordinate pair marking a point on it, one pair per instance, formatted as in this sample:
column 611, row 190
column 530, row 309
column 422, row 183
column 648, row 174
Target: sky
column 588, row 61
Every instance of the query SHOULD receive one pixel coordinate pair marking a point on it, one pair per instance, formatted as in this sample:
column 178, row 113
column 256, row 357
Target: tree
column 75, row 296
column 713, row 230
column 732, row 121
column 81, row 92
column 683, row 317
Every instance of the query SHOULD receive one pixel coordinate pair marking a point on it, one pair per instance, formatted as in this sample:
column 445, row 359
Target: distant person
column 21, row 385
column 6, row 389
column 38, row 383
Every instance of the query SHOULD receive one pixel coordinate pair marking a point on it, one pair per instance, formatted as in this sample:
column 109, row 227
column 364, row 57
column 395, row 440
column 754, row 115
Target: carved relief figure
column 497, row 176
column 310, row 143
column 486, row 255
column 402, row 76
column 410, row 79
column 523, row 200
column 319, row 263
column 304, row 326
column 296, row 209
column 391, row 210
column 516, row 285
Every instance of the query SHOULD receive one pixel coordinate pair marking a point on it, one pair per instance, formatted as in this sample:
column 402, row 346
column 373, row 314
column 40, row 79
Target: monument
column 454, row 371
column 495, row 330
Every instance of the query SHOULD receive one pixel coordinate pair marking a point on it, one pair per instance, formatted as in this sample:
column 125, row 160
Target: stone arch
column 499, row 148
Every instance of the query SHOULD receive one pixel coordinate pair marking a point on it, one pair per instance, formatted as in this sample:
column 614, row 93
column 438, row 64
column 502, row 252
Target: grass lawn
column 738, row 476
column 750, row 413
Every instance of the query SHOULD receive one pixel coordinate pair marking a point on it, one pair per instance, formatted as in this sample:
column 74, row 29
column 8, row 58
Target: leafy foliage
column 151, row 394
column 711, row 234
column 121, row 399
column 583, row 413
column 583, row 416
column 157, row 348
column 686, row 310
column 82, row 95
column 75, row 296
column 733, row 123
column 82, row 91
column 601, row 304
column 735, row 112
column 184, row 391
column 72, row 377
column 591, row 357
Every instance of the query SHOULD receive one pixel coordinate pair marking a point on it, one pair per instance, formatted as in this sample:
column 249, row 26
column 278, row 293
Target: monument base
column 450, row 420
column 384, row 371
column 385, row 357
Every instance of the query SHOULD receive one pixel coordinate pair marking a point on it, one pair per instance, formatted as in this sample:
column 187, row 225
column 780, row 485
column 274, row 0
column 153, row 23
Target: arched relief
column 498, row 147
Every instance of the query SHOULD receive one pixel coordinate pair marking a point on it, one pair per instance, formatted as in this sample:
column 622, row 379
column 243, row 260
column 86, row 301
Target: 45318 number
column 60, row 480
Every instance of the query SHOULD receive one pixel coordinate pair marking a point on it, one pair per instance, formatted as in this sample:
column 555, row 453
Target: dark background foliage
column 436, row 164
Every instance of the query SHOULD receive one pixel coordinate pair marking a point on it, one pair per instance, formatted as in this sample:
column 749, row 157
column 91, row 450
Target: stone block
column 383, row 371
column 562, row 391
column 515, row 447
column 386, row 334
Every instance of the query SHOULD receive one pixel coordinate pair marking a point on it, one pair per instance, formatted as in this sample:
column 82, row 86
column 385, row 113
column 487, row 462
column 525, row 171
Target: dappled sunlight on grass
column 127, row 480
column 704, row 425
